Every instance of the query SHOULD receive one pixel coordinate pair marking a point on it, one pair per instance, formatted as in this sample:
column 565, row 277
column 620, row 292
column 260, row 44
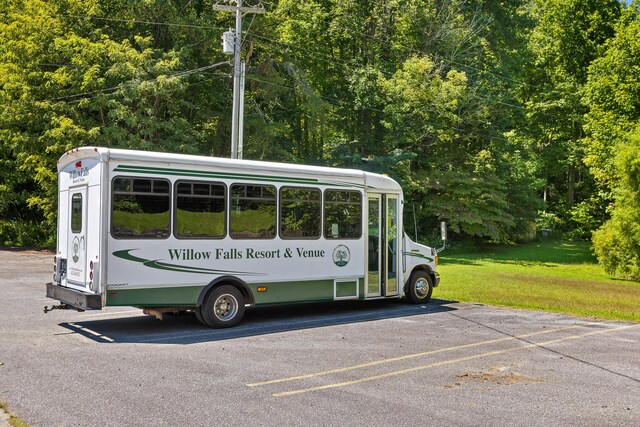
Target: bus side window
column 253, row 211
column 342, row 214
column 300, row 213
column 200, row 210
column 140, row 208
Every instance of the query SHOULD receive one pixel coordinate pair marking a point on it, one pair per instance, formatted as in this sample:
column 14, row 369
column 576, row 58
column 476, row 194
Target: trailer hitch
column 61, row 307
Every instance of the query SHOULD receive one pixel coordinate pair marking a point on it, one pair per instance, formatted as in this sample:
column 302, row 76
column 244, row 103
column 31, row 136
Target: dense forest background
column 499, row 117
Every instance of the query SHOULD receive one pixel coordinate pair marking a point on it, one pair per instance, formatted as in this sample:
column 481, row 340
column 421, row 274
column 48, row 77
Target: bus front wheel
column 420, row 287
column 223, row 307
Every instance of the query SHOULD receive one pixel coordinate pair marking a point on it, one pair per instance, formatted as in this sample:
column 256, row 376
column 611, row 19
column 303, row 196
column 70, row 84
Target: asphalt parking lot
column 347, row 363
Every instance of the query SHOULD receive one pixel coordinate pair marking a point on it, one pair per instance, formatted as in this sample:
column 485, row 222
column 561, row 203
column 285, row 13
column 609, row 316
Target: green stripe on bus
column 155, row 297
column 297, row 291
column 187, row 296
column 418, row 255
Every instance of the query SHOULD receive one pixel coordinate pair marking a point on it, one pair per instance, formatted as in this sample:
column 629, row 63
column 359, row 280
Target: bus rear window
column 76, row 213
column 140, row 208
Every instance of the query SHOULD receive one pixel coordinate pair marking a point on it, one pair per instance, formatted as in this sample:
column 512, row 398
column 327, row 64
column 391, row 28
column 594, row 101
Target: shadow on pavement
column 185, row 329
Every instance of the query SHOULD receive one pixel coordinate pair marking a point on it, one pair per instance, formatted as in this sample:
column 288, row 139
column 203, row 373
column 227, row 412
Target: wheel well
column 228, row 280
column 424, row 268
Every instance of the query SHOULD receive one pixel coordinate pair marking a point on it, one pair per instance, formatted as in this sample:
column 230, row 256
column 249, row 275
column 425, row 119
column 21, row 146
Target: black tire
column 198, row 314
column 420, row 288
column 223, row 307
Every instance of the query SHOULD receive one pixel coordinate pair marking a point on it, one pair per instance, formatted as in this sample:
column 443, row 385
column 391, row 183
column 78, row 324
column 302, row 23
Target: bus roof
column 369, row 179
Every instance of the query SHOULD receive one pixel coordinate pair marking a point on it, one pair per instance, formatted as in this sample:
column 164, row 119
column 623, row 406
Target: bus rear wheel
column 420, row 287
column 198, row 314
column 223, row 307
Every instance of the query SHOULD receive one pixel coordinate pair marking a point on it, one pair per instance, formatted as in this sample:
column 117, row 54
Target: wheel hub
column 422, row 288
column 225, row 307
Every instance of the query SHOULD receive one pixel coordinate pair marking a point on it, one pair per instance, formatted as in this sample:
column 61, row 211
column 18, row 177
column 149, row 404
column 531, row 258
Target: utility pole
column 237, row 116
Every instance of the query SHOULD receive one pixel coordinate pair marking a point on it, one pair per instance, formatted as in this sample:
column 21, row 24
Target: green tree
column 459, row 173
column 567, row 37
column 613, row 93
column 617, row 242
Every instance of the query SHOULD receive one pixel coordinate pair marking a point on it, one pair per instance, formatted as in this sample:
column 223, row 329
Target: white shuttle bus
column 168, row 232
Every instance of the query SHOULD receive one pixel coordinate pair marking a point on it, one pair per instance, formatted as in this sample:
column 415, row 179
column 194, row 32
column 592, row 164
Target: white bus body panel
column 174, row 272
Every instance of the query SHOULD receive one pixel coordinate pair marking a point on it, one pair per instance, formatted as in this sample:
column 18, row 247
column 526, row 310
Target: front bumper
column 74, row 298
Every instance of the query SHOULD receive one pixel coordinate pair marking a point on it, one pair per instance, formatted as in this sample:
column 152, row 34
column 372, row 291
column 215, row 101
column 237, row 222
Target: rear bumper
column 74, row 298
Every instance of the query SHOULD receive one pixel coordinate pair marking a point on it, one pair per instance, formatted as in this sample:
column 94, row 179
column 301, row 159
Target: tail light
column 91, row 275
column 93, row 285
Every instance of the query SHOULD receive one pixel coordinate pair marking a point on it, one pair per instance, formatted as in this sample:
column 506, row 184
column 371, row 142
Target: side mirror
column 443, row 234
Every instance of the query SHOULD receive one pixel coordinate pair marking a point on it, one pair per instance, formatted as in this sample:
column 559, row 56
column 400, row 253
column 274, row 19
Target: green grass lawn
column 557, row 276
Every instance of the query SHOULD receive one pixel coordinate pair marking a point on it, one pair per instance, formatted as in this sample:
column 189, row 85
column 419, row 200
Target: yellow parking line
column 411, row 356
column 446, row 362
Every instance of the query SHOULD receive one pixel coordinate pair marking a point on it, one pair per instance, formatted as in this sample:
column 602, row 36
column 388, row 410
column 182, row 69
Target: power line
column 77, row 101
column 177, row 74
column 136, row 21
column 335, row 101
column 322, row 58
column 90, row 94
column 416, row 51
column 333, row 60
column 377, row 39
column 387, row 74
column 332, row 100
column 313, row 54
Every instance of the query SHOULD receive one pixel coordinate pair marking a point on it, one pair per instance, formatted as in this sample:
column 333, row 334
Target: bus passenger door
column 77, row 240
column 374, row 237
column 391, row 245
column 382, row 246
